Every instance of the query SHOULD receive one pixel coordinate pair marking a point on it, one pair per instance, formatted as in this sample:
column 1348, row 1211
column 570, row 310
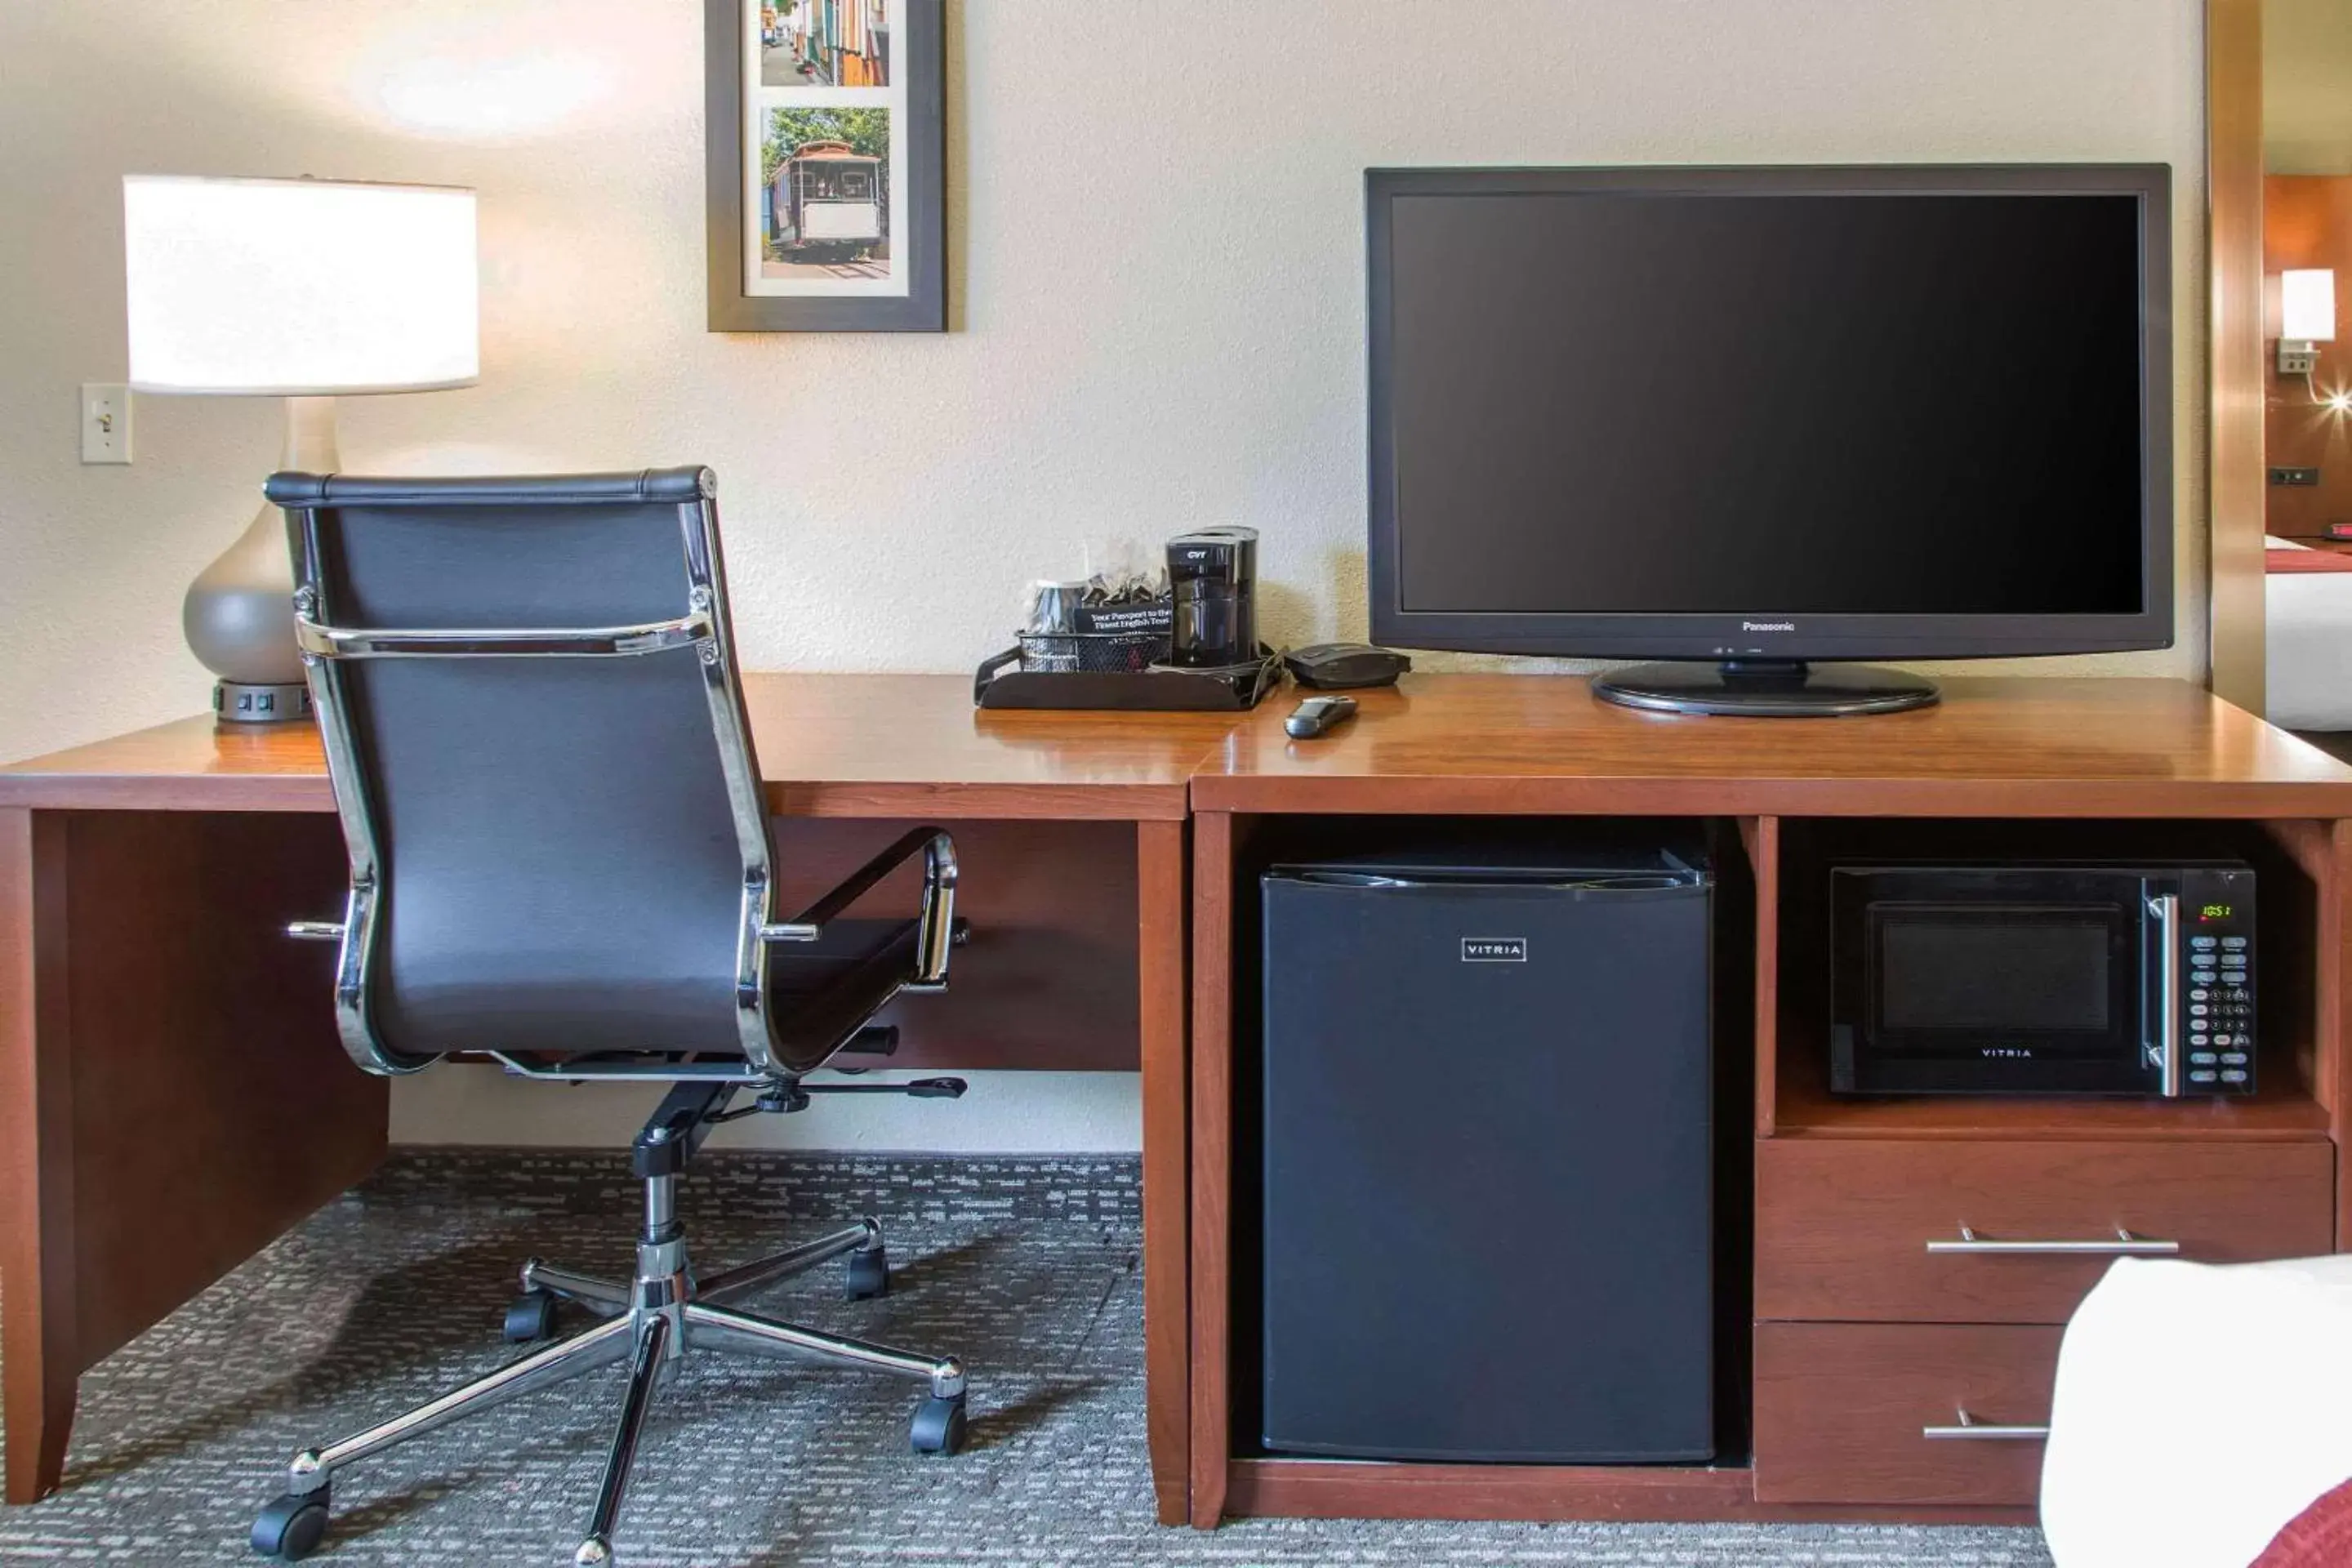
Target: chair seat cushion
column 820, row 993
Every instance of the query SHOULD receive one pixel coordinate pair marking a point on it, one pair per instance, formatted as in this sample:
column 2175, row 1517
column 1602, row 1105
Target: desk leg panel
column 1213, row 970
column 1050, row 980
column 179, row 1056
column 37, row 1351
column 1163, row 927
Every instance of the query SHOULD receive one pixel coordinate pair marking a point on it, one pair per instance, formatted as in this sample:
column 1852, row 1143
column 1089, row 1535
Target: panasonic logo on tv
column 1768, row 625
column 1493, row 950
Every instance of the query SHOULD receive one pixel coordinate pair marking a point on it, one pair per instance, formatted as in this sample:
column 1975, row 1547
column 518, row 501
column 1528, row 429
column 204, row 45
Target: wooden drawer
column 1842, row 1224
column 1841, row 1410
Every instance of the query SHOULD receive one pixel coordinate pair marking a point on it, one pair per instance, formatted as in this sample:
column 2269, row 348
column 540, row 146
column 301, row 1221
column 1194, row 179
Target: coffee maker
column 1212, row 572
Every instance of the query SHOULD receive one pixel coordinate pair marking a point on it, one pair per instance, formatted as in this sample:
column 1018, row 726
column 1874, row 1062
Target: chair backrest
column 528, row 695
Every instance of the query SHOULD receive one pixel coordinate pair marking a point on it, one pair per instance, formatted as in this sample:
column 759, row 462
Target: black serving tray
column 995, row 685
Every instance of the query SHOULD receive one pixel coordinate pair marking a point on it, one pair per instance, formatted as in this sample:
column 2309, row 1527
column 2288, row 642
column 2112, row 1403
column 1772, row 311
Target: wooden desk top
column 2015, row 746
column 829, row 745
column 913, row 745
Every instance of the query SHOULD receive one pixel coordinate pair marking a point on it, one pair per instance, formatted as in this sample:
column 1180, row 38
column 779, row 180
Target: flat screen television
column 1763, row 420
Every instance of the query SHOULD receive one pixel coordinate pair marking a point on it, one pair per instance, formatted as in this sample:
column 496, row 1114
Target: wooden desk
column 1843, row 1189
column 173, row 1095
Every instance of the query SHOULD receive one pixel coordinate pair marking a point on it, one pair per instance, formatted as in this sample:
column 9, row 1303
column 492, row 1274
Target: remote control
column 1318, row 716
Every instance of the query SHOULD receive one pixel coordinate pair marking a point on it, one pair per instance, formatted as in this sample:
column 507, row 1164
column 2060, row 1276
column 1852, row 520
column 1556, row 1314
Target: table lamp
column 305, row 289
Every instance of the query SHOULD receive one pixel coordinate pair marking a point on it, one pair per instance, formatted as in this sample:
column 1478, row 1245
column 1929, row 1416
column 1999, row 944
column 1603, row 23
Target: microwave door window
column 2040, row 981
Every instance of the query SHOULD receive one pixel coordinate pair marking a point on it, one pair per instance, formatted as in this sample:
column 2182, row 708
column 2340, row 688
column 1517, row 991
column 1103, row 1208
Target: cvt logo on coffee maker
column 1493, row 950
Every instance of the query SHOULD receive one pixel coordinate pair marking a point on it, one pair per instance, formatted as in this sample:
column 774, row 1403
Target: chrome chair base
column 652, row 1323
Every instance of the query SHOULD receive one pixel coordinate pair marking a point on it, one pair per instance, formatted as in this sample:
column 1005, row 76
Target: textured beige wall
column 1157, row 249
column 1158, row 259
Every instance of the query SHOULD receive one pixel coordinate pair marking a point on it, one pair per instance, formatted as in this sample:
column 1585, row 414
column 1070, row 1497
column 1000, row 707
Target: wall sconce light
column 2306, row 318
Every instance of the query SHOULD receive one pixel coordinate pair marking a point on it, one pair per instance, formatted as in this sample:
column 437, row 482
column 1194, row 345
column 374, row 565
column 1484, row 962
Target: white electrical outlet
column 105, row 421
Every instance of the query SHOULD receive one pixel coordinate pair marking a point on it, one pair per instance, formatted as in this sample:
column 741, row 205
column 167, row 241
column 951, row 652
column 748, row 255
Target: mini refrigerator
column 1487, row 1174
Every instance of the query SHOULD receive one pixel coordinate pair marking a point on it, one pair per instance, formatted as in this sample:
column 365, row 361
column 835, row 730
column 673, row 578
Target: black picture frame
column 919, row 49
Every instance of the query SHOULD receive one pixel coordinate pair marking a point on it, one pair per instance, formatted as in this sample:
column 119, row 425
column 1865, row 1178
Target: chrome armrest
column 938, row 930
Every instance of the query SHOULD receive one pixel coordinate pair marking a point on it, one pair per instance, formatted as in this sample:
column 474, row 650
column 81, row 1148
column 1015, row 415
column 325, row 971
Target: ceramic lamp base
column 240, row 703
column 239, row 612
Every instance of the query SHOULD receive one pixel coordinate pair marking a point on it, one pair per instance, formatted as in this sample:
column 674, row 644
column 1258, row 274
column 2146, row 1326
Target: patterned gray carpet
column 1026, row 1269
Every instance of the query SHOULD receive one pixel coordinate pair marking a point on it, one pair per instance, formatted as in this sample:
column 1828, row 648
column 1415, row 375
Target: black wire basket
column 999, row 684
column 1091, row 653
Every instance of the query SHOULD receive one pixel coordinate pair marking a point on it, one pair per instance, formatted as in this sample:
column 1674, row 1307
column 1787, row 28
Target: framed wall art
column 825, row 123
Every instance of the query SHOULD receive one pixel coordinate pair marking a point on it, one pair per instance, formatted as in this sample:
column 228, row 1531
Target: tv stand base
column 1760, row 687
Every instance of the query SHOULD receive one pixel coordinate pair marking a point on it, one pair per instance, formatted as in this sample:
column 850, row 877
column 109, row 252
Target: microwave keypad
column 2220, row 1013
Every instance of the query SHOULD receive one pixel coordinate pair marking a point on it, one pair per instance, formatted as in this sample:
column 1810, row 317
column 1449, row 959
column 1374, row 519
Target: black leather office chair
column 560, row 858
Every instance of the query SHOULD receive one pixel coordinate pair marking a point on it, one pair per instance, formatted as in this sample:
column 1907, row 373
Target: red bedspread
column 2318, row 1537
column 2306, row 561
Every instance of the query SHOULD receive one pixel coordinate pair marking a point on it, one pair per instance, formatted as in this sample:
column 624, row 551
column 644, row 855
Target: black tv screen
column 1798, row 413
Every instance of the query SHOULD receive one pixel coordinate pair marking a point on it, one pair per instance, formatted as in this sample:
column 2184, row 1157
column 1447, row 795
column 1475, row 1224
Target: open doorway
column 2306, row 369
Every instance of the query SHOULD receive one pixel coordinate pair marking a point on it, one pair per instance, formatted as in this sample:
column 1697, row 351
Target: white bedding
column 2158, row 1459
column 2308, row 641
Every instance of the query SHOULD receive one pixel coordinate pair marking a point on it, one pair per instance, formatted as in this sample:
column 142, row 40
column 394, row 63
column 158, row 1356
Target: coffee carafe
column 1213, row 573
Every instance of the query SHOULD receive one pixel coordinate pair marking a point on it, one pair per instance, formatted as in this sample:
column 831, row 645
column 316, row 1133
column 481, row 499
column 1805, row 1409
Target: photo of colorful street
column 824, row 43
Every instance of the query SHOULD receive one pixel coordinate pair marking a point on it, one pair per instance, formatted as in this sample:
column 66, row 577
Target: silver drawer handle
column 1972, row 1430
column 2125, row 1245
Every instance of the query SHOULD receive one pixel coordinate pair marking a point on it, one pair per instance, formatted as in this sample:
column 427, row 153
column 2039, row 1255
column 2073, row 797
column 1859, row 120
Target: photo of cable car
column 826, row 200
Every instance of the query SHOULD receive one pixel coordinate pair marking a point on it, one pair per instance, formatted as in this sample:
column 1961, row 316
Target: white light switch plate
column 105, row 421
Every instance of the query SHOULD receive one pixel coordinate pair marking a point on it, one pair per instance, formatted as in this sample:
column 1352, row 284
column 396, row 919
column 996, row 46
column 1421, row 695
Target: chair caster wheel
column 530, row 1316
column 291, row 1528
column 937, row 1427
column 867, row 1275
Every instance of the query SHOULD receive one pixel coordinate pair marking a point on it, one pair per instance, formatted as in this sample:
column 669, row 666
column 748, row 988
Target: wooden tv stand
column 1855, row 1337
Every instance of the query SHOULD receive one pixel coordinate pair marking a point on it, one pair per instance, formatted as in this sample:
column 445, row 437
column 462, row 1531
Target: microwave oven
column 2042, row 978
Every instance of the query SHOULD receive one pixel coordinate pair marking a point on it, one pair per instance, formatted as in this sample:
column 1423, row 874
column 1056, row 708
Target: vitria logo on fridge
column 1493, row 950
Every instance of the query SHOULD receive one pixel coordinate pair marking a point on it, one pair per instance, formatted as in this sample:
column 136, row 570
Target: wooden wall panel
column 2307, row 222
column 2235, row 481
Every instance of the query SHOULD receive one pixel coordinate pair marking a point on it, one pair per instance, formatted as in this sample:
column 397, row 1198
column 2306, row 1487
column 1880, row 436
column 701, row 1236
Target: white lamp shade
column 2307, row 304
column 300, row 287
